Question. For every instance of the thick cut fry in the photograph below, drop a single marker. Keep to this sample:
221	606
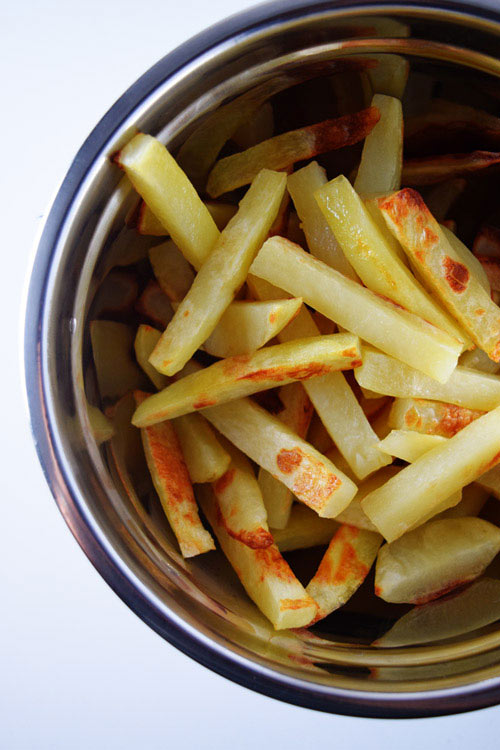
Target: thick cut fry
357	309
221	275
409	445
112	347
272	445
145	341
296	414
490	481
468	259
371	205
171	480
420	488
147	223
354	514
430	417
304	529
247	326
164	187
173	272
318	435
343	569
320	239
431	169
102	428
205	458
333	399
448	122
154	304
390	75
434	559
284	150
469	388
265	575
380	269
240	504
382	157
236	377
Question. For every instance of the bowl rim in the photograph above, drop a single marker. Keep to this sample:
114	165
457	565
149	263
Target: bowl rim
101	554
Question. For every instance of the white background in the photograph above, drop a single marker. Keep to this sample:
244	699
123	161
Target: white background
78	669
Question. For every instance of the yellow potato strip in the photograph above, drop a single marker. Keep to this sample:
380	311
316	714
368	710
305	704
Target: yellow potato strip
382	158
304	529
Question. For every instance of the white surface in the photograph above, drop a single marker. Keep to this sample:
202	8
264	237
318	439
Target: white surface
79	670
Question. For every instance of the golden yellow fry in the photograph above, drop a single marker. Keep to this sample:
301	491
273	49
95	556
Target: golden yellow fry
382	158
357	309
146	339
373	259
429	250
172	271
147	223
389	77
221	275
420	488
431	169
237	377
304	529
471	504
469	388
296	414
318	436
171	480
286	149
112	347
163	185
275	447
320	239
380	422
467	258
343	568
409	445
354	514
371	205
434	559
205	458
102	428
430	417
265	575
479	360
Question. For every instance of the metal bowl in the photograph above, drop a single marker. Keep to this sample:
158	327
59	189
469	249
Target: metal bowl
198	606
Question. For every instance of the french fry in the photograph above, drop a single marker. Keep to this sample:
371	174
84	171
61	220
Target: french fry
272	445
304	529
318	435
431	169
162	184
116	295
357	309
221	275
284	150
441	198
333	399
468	388
343	568
371	205
237	377
468	259
373	259
434	559
265	575
116	371
430	417
471	504
145	341
380	422
102	428
320	239
154	304
390	75
258	128
247	326
172	271
420	487
240	505
490	481
409	445
171	480
382	157
354	514
296	414
147	223
205	458
335	456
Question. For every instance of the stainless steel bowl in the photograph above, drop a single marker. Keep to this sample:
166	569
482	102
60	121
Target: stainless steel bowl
198	606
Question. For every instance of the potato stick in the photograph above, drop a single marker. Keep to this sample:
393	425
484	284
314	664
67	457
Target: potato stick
487	242
296	414
145	341
248	326
265	575
147	223
162	184
409	445
390	75
354	514
469	388
304	529
380	422
490	481
318	436
430	417
382	158
320	239
154	304
371	205
116	371
373	404
205	458
172	271
447	122
335	456
286	149
333	399
471	504
275	447
431	169
258	128
221	275
441	198
343	568
237	377
357	309
468	259
102	428
171	480
373	259
422	486
434	559
240	505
